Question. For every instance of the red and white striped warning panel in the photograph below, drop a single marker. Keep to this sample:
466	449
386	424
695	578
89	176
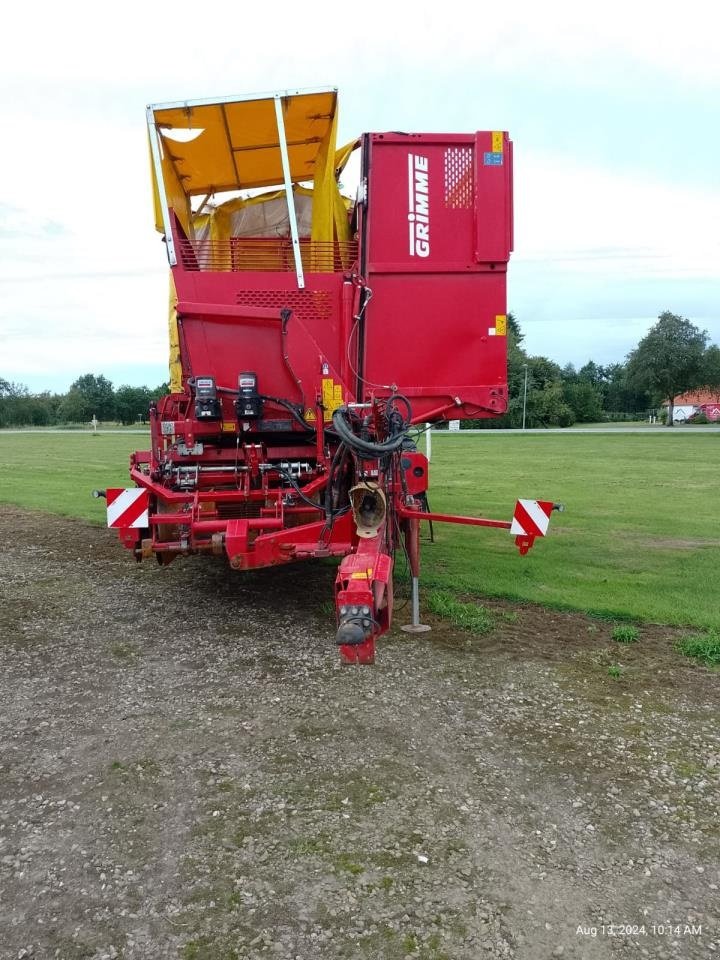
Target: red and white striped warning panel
128	508
531	518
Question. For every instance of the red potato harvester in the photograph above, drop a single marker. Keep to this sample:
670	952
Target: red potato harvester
308	333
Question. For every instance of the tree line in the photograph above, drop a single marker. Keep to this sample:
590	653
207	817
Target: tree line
674	356
89	396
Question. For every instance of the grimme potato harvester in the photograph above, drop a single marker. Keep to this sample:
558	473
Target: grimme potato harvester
308	334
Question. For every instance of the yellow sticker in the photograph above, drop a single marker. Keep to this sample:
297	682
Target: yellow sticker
362	574
310	415
332	397
498	141
501	325
328	393
229	427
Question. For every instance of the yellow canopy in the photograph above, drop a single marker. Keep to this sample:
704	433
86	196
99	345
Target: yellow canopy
234	145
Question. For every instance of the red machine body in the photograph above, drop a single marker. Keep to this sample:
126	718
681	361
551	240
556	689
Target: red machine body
304	354
434	246
435	329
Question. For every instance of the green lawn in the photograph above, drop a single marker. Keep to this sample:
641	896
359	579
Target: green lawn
57	472
640	537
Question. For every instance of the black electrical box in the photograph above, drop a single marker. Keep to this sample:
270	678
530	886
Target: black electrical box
248	405
207	405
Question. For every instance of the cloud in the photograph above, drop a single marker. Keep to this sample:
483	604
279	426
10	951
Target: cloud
235	41
616	199
17	223
595	220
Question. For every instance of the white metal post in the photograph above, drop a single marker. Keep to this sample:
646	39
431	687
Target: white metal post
415	626
289	191
428	441
155	150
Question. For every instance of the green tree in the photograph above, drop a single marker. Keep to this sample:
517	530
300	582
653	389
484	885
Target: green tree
583	391
132	403
585	400
37	409
592	373
711	373
544	371
514	331
75	407
8	389
549	408
619	395
13	400
669	360
90	396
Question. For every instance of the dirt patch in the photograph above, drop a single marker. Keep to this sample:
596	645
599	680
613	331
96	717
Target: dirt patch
186	771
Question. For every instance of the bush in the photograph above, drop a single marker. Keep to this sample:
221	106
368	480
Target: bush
615	417
625	634
703	647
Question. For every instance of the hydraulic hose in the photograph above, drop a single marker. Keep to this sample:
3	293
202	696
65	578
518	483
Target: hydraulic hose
365	448
291	409
296	487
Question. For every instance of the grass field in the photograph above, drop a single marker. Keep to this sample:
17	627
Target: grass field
58	471
640	537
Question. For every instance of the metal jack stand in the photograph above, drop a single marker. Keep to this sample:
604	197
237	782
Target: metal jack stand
416	626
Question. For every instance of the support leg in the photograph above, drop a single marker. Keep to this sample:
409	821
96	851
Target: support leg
416	626
412	541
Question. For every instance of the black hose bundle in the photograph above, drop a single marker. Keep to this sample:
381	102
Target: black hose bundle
397	425
331	512
336	467
288	478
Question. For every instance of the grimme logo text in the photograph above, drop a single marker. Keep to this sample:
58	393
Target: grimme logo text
418	206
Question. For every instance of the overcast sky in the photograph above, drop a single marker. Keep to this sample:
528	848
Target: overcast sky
614	110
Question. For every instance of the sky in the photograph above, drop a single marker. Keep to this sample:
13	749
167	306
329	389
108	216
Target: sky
614	111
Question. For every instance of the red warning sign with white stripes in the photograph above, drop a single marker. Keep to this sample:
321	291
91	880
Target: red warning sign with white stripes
531	518
128	508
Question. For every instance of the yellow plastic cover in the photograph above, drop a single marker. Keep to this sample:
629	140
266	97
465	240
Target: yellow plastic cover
175	363
236	146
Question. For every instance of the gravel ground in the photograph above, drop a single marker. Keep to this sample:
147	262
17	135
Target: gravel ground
186	771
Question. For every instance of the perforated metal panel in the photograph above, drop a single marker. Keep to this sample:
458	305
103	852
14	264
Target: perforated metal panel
459	178
307	305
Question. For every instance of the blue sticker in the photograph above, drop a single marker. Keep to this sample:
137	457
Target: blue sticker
492	159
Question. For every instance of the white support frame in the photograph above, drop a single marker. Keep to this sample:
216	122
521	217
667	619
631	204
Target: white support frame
289	196
219	101
155	149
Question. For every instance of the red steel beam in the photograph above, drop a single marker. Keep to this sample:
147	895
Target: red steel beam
450	518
